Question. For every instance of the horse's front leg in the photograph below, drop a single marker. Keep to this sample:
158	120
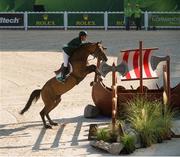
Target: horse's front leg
92	68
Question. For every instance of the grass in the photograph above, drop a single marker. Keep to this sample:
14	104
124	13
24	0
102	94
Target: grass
165	123
103	134
129	143
107	135
147	119
150	119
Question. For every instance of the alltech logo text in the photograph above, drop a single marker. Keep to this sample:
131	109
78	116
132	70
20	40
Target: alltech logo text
11	19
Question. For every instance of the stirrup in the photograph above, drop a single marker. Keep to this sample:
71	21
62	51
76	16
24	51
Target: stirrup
60	79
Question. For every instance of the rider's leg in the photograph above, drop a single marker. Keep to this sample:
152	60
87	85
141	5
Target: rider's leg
65	67
66	62
66	59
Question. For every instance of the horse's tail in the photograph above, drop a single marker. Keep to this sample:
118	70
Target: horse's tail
33	97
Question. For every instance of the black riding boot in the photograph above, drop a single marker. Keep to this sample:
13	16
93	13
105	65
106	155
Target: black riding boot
64	73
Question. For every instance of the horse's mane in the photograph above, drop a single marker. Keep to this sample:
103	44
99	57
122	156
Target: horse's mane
86	45
83	46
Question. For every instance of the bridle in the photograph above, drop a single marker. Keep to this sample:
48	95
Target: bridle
91	58
94	54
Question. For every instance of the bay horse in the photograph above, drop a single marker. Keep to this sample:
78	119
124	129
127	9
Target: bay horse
52	90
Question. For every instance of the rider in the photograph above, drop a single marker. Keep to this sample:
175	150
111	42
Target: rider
68	52
128	14
137	16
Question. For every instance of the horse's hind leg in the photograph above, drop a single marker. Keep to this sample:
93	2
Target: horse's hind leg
45	112
42	114
49	106
56	102
50	121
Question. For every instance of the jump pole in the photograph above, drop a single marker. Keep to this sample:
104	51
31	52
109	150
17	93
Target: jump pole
114	97
168	81
141	64
166	84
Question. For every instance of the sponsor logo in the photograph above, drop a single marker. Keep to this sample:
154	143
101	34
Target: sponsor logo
119	23
45	21
85	17
85	21
9	20
166	19
45	17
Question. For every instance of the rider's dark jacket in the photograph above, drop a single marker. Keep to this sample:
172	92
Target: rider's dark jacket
72	45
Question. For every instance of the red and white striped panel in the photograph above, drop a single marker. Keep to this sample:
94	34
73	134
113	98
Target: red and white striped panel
132	59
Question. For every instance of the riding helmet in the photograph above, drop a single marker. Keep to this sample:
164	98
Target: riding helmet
83	33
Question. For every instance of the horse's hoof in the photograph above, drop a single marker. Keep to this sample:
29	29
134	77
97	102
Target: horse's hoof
63	124
53	123
48	126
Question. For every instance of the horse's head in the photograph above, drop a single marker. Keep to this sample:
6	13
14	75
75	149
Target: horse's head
95	49
99	52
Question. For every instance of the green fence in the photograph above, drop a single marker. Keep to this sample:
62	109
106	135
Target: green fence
105	20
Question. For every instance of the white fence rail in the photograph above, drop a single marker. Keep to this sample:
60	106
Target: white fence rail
93	20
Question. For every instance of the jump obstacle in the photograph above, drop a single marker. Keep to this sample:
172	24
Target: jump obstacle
142	66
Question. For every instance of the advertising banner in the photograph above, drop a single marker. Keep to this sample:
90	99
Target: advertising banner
7	19
45	19
158	19
115	19
86	19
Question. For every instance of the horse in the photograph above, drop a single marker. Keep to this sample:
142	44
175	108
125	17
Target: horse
52	90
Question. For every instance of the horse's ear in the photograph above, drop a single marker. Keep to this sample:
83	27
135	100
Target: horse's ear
99	42
104	48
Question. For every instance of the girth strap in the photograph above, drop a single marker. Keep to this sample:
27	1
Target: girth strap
78	79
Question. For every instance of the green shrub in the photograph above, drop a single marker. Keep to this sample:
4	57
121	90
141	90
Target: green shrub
109	135
103	134
158	132
163	124
129	143
150	119
143	116
166	123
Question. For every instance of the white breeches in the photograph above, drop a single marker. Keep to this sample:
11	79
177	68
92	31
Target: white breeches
66	58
